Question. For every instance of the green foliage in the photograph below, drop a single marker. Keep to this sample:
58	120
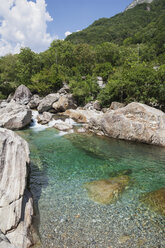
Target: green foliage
116	29
46	81
28	63
127	51
103	70
136	82
84	90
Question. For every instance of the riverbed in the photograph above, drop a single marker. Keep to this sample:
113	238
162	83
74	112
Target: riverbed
62	163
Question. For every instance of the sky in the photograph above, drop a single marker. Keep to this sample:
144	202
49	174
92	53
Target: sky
36	23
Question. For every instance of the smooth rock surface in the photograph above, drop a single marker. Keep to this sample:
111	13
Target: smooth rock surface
64	103
107	190
22	94
15	116
47	102
16	205
136	122
81	115
4	242
63	126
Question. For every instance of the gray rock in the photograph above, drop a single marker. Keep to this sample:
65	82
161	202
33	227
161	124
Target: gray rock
16	205
15	116
44	118
22	94
116	105
136	122
63	126
34	102
4	242
136	2
64	90
93	105
81	115
64	103
10	97
100	82
3	104
47	102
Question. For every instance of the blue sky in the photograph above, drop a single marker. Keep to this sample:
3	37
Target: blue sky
36	23
73	15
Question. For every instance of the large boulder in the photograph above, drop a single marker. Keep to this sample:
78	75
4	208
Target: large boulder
16	205
34	102
64	103
136	122
81	115
22	94
47	102
106	191
15	116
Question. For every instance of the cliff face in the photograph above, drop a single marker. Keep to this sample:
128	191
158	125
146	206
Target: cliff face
136	2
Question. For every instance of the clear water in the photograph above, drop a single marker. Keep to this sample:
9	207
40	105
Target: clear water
68	218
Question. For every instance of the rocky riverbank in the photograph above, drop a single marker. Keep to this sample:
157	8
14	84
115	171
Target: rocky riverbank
16	204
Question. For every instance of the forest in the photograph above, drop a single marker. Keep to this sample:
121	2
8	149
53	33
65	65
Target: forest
127	51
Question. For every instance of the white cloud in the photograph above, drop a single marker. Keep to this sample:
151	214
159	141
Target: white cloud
67	33
23	23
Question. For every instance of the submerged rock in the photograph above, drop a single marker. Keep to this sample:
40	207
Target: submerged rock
15	116
107	190
136	122
156	200
16	205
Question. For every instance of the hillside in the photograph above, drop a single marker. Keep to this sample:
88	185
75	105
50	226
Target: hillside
136	2
142	20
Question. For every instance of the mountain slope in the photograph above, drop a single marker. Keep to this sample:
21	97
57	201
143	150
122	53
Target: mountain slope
136	2
124	25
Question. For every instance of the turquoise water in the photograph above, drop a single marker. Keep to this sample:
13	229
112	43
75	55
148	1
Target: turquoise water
68	218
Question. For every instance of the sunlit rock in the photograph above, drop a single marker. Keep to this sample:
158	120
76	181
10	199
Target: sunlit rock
15	116
136	122
16	205
64	103
22	94
47	102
